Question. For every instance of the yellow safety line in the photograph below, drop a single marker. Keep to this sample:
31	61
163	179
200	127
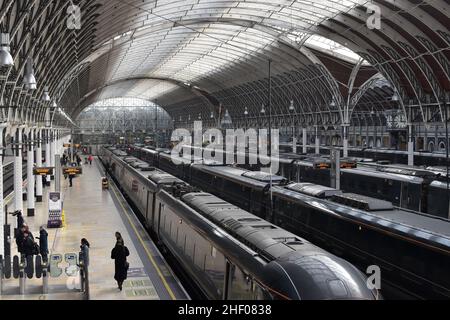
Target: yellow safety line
63	218
166	285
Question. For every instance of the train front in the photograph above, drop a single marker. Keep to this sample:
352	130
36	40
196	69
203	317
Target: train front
316	276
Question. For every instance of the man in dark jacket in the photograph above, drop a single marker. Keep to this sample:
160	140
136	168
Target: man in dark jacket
43	243
28	245
20	237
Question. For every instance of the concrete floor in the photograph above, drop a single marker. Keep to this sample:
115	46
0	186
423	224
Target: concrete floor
90	213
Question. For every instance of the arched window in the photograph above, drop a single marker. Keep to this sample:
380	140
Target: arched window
431	146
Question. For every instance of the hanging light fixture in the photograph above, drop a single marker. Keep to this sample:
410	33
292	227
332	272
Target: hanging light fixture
291	106
226	121
29	79
333	104
395	97
199	116
212	115
263	109
246	112
45	95
5	56
54	105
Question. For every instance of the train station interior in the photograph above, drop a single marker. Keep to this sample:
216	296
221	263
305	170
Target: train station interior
214	150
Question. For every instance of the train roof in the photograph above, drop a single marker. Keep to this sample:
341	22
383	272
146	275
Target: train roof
402	169
371	172
161	177
439	185
365	203
314	190
265	238
398	221
250	178
264	177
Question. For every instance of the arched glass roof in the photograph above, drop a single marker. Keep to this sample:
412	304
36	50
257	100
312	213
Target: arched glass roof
122	102
205	53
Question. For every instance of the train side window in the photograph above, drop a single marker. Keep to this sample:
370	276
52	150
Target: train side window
259	293
241	285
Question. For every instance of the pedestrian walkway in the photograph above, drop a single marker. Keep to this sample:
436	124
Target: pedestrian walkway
96	214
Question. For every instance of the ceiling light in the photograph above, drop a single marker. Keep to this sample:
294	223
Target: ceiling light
291	107
45	95
5	56
263	110
395	97
29	79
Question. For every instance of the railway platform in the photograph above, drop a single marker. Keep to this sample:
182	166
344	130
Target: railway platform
94	213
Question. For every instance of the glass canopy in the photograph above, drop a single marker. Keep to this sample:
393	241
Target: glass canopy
188	40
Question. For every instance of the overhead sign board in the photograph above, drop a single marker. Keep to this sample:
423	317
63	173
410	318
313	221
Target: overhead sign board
68	145
73	170
43	171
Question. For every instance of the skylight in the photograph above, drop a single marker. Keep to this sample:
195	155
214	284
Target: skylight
332	48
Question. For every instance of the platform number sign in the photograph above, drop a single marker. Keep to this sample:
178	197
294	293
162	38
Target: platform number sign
73	21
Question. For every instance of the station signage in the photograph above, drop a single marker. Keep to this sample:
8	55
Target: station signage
69	145
73	170
43	171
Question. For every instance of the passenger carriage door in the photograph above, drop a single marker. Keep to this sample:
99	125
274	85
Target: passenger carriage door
147	208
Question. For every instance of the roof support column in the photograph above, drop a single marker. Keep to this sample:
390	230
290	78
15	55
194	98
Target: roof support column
305	140
317	140
2	212
48	162
30	175
52	152
39	191
345	140
18	174
410	145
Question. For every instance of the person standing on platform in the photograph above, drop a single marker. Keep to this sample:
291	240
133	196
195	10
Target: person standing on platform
90	159
20	221
70	180
20	237
85	251
43	243
28	245
120	254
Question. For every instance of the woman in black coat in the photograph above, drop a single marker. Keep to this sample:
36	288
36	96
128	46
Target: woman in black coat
120	254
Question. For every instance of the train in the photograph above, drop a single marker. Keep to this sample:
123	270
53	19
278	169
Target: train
421	158
227	252
8	178
412	249
419	189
